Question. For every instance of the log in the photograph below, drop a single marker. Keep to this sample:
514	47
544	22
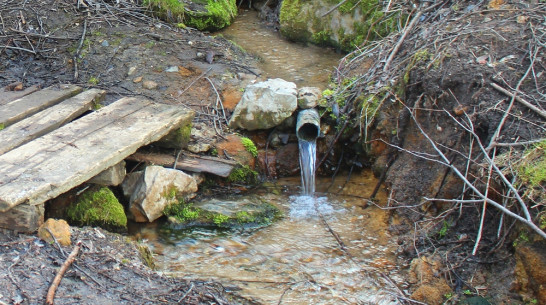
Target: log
14	111
57	162
196	164
49	119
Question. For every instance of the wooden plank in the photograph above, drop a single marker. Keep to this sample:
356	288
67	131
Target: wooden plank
49	119
55	163
23	218
14	111
8	96
196	164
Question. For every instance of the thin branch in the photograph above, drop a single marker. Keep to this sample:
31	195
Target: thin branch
57	280
539	111
401	40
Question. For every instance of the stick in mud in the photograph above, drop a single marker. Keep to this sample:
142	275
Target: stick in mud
57	280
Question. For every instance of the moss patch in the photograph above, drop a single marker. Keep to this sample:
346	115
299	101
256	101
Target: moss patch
98	207
243	174
222	214
249	146
204	15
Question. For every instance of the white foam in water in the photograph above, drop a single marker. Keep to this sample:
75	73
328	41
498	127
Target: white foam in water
304	206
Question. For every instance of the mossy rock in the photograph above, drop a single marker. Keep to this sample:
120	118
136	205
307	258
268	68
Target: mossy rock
98	207
204	15
348	26
247	213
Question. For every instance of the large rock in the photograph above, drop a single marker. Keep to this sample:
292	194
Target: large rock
151	190
265	105
54	229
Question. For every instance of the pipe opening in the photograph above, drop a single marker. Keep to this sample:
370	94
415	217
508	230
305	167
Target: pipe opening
308	132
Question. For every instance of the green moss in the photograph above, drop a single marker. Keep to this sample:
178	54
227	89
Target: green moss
294	20
98	207
147	256
243	217
532	170
182	211
93	80
219	219
243	174
218	15
249	146
170	10
2	126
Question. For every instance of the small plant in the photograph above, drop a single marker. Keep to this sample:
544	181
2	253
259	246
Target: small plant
219	219
443	231
182	211
93	80
249	146
2	126
467	292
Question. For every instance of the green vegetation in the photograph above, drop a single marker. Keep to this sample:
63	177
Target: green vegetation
216	14
256	214
93	81
2	126
98	207
249	146
243	174
147	256
532	170
182	211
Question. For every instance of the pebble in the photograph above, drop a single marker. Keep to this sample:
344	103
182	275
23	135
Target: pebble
137	79
149	84
172	69
131	71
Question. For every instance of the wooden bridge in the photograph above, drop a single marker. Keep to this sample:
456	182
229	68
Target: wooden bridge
48	146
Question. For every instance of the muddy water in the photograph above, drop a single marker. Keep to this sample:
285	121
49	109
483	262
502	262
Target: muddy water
296	260
279	58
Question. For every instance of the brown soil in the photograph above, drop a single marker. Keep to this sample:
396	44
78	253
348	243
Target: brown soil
116	46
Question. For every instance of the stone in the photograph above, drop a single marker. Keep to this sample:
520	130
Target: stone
287	160
137	79
112	176
202	137
172	69
154	189
308	97
233	148
269	167
231	97
131	71
149	84
265	105
60	230
531	269
426	274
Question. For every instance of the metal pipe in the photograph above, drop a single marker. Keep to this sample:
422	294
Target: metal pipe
308	125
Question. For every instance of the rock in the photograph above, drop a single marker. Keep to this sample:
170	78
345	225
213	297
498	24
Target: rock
137	79
269	167
178	138
202	137
249	212
112	176
265	105
151	190
426	274
287	160
531	269
172	69
98	206
149	84
231	97
233	148
131	71
60	230
308	97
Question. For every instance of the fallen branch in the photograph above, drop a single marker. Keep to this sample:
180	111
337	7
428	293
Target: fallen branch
401	40
540	112
57	280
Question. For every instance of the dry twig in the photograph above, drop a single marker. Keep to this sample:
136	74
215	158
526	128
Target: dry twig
57	280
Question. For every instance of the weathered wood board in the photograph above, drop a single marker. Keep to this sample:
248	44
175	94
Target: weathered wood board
14	111
196	164
49	119
60	160
8	96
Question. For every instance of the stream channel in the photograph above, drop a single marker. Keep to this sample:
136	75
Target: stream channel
296	260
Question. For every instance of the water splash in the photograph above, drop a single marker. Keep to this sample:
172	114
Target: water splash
308	157
305	207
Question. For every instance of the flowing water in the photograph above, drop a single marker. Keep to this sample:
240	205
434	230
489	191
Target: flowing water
297	260
308	157
331	246
279	58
